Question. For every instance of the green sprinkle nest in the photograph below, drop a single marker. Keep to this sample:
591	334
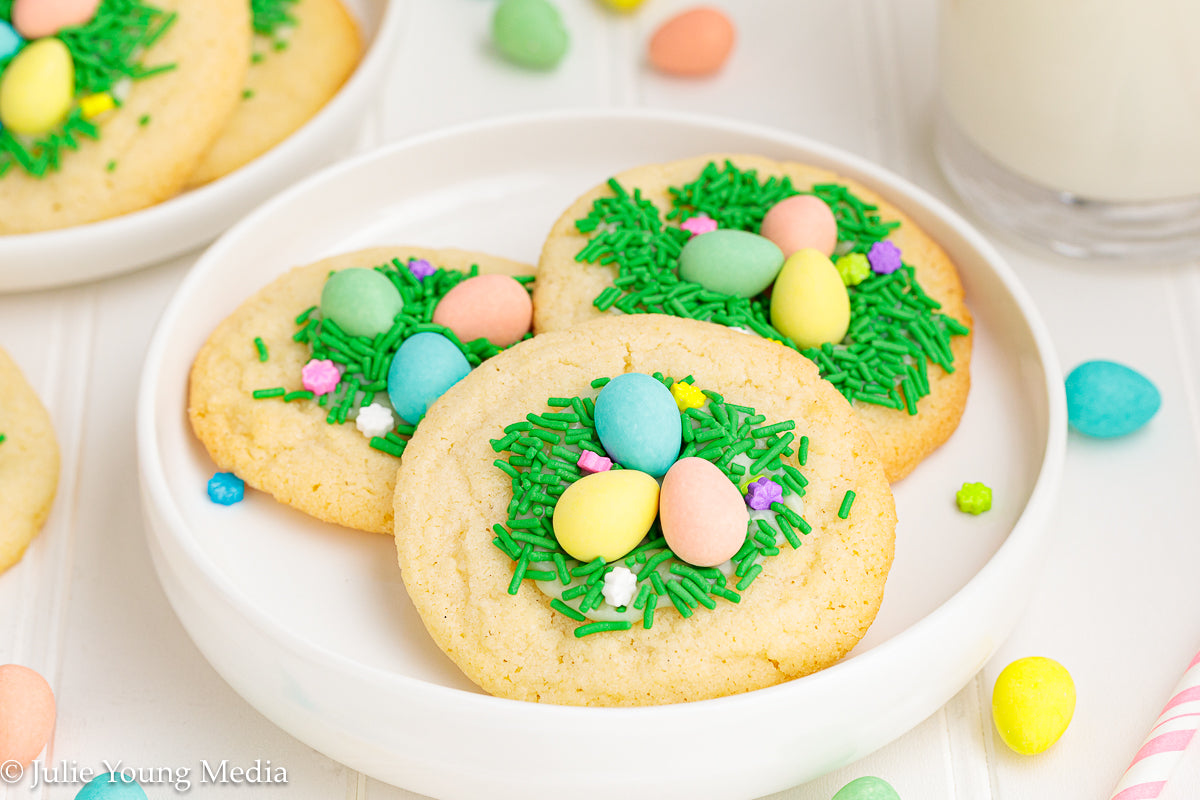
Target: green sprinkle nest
895	330
366	359
106	51
269	16
542	452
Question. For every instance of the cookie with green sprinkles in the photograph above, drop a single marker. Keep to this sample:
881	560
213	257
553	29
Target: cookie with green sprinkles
519	480
154	83
303	51
901	356
28	463
297	407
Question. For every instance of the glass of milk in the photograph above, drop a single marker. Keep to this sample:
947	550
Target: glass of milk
1076	122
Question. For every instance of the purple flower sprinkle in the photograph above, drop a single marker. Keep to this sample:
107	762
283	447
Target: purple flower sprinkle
763	492
591	462
421	269
701	223
884	257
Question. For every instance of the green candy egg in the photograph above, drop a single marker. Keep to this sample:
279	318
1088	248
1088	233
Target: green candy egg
867	788
529	33
729	261
361	301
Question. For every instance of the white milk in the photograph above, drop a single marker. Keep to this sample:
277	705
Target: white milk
1099	98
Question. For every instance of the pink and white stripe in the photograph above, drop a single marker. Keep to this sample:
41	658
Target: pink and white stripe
1151	767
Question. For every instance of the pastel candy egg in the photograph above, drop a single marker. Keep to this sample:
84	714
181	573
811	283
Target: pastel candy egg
605	514
623	5
703	515
363	302
730	261
496	307
692	44
10	42
111	786
867	787
38	18
37	88
801	221
529	33
809	303
1106	399
424	367
638	423
1032	703
26	713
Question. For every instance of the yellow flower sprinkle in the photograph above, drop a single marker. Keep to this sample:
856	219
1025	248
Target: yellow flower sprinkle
687	396
93	105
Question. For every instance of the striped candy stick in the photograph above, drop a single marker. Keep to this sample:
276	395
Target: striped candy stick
1151	767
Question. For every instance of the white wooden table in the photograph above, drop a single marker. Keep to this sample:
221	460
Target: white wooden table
1117	603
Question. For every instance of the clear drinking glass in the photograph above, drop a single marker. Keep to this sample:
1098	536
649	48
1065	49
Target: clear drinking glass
1076	122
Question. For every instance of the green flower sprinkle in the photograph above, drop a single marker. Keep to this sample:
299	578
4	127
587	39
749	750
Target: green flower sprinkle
895	332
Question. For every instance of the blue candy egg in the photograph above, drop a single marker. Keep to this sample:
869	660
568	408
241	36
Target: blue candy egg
424	367
111	786
638	423
1106	399
10	40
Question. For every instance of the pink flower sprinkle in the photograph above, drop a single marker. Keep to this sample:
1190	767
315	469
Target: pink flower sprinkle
697	225
590	462
319	376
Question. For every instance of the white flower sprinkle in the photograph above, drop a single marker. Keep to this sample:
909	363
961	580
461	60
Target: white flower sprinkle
374	420
619	586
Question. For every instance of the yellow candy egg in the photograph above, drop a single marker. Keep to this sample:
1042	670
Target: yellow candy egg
809	303
605	514
37	88
622	5
1032	704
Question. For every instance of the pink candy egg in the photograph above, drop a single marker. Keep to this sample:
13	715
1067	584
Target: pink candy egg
34	19
799	222
703	515
496	307
692	44
26	713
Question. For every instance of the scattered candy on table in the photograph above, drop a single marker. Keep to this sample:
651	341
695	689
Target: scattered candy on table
360	301
801	221
809	303
638	423
695	43
702	514
374	420
530	33
37	18
495	307
320	376
423	369
867	787
606	514
111	786
730	261
1106	399
26	714
225	488
1032	704
974	498
37	88
884	257
619	586
854	268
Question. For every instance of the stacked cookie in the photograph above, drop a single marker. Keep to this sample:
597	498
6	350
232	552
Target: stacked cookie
682	477
112	106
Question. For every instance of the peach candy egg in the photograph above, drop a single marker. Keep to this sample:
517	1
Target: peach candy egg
703	515
34	19
496	307
692	44
801	221
26	713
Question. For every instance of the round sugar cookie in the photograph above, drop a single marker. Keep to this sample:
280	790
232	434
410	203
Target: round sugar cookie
805	609
151	144
287	449
28	463
566	290
286	87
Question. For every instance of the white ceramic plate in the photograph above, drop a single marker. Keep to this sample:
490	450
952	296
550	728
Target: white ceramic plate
125	243
311	624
